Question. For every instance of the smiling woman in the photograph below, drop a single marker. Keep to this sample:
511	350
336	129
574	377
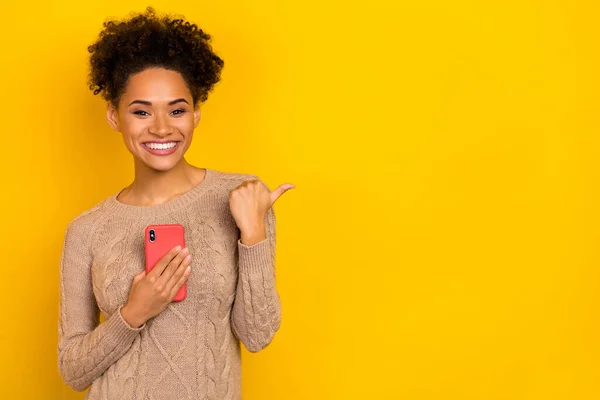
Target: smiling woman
153	72
157	147
156	116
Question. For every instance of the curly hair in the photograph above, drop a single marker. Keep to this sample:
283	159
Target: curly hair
145	40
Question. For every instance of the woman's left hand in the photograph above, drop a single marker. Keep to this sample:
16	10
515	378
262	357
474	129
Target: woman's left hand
249	203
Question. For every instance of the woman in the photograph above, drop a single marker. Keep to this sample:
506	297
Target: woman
153	72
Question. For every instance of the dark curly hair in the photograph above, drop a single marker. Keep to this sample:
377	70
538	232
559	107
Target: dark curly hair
146	40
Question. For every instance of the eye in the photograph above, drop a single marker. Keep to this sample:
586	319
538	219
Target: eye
139	111
178	113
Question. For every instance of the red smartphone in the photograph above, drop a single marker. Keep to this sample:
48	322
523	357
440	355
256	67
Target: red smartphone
159	239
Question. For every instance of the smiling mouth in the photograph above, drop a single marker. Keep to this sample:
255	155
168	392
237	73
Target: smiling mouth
160	146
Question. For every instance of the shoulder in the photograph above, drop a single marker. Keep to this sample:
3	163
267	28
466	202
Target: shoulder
231	180
85	221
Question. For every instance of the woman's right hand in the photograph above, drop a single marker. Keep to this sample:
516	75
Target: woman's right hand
151	293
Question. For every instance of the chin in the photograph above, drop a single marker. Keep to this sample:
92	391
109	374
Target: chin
162	166
162	163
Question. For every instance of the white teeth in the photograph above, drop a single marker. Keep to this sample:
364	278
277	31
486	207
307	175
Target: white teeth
160	146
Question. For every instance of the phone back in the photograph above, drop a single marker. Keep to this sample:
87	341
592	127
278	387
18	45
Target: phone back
159	239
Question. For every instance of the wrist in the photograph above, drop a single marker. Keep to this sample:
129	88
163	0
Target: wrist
129	317
250	236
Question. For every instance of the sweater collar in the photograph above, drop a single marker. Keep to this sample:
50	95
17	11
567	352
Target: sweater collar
116	207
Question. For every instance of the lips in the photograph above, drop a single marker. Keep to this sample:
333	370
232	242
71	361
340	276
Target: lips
161	148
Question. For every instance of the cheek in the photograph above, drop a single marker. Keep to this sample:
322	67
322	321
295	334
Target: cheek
131	137
130	144
132	128
185	124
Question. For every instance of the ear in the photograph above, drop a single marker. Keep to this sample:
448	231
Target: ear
112	116
196	115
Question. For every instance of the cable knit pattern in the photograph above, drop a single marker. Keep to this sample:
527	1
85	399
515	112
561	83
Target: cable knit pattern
192	349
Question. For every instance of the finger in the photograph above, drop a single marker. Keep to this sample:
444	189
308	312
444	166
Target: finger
177	274
281	190
137	278
163	262
173	265
180	282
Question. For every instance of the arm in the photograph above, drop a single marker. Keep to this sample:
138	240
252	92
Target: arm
256	313
85	349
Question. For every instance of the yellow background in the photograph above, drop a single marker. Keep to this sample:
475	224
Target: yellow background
442	240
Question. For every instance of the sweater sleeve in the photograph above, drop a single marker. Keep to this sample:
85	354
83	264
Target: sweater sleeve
256	310
85	348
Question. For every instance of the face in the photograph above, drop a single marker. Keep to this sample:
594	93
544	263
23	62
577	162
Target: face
156	117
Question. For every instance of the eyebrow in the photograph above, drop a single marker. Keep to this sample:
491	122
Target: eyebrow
149	103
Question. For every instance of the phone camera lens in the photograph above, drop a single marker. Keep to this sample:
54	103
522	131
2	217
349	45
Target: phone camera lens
152	235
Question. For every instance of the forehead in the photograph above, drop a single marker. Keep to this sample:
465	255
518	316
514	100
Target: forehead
156	84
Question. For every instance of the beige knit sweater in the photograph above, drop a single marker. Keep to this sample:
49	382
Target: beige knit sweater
191	350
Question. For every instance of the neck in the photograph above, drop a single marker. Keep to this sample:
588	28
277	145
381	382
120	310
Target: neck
152	187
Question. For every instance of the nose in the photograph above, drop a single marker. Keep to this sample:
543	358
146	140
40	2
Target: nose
161	126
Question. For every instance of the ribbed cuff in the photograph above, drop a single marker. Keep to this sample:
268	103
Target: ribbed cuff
119	328
255	258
